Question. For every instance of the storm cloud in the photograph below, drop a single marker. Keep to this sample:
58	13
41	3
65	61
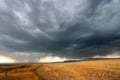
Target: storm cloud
63	28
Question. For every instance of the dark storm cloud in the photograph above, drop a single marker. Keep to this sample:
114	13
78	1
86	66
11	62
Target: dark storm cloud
66	28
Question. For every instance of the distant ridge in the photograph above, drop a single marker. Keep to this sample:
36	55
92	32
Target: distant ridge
71	60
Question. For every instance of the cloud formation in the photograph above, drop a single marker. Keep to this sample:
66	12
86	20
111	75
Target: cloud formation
6	60
52	59
64	28
114	55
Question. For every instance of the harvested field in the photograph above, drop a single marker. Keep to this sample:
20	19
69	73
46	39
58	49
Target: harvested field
90	69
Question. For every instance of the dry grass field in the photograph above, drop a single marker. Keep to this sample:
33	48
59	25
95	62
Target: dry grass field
89	69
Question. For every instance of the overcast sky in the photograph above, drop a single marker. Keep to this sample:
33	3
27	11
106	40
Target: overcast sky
33	29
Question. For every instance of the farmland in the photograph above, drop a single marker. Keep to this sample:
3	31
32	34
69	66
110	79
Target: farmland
89	69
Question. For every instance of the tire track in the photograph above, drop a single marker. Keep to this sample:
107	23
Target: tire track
36	73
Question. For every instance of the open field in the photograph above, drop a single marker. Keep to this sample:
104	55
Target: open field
89	69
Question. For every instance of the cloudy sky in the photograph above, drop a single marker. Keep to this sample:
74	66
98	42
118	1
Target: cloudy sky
63	29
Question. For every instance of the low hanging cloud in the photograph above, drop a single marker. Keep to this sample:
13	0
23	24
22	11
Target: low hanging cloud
52	59
62	28
4	59
113	55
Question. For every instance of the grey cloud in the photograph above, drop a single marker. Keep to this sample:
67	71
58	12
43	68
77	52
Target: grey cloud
66	28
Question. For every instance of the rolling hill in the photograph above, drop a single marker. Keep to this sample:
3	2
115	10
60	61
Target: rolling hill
89	69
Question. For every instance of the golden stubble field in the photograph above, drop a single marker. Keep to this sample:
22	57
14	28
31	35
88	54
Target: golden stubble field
90	69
